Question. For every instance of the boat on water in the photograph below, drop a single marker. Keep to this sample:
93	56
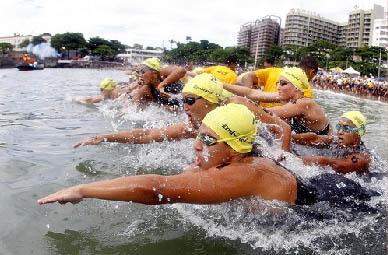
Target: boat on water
29	67
28	63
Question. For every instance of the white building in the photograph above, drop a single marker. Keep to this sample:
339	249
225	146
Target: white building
260	35
360	26
303	28
17	39
380	33
136	56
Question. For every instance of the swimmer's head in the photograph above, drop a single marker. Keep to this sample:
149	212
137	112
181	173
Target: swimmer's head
234	124
297	78
208	87
309	66
358	119
350	128
153	63
108	84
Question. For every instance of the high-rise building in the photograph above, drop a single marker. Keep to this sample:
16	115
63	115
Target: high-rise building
260	35
380	33
304	28
360	26
342	32
244	36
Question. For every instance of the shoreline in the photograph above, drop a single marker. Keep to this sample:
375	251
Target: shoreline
370	97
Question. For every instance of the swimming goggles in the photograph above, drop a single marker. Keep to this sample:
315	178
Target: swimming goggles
346	128
208	140
190	100
282	82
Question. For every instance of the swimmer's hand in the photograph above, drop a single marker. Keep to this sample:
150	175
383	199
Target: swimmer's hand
90	141
72	195
163	93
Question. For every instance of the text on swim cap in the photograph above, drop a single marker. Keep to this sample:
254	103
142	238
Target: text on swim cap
234	133
205	90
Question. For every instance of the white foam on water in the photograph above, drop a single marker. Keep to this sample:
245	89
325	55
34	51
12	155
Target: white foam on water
265	225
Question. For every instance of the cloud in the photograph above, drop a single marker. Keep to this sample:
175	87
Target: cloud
153	22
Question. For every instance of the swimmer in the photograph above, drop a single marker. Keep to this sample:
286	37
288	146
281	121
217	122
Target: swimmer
301	112
228	171
157	84
108	89
267	79
225	73
348	152
201	94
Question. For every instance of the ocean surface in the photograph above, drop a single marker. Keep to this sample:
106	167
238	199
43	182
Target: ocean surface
40	121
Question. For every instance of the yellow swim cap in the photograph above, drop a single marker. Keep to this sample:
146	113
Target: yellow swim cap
358	119
208	87
235	124
198	70
223	73
108	84
153	63
299	79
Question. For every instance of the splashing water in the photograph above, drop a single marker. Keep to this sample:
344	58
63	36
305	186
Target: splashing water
263	225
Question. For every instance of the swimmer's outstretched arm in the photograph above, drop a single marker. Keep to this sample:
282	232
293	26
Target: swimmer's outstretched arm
358	162
143	136
197	187
281	129
253	94
91	99
172	74
312	139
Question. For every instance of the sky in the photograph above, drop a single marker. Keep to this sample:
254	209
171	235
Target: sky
154	23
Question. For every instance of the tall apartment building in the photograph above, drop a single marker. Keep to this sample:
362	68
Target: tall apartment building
360	26
342	32
17	39
380	33
260	35
303	28
244	36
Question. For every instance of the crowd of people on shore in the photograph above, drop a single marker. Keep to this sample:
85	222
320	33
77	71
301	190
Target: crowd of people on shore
361	86
225	115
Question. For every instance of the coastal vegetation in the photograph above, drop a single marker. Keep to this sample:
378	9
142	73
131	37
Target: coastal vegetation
95	46
204	52
5	47
365	59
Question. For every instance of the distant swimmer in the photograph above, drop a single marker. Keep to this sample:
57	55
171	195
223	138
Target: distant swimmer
224	169
300	111
108	89
269	62
267	79
201	94
225	73
346	151
158	85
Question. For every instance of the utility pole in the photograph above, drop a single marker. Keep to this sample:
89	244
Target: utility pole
378	72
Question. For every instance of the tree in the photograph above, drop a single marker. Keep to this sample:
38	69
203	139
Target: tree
5	47
137	46
74	41
274	52
69	41
24	44
57	41
117	47
202	52
104	51
37	40
94	42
